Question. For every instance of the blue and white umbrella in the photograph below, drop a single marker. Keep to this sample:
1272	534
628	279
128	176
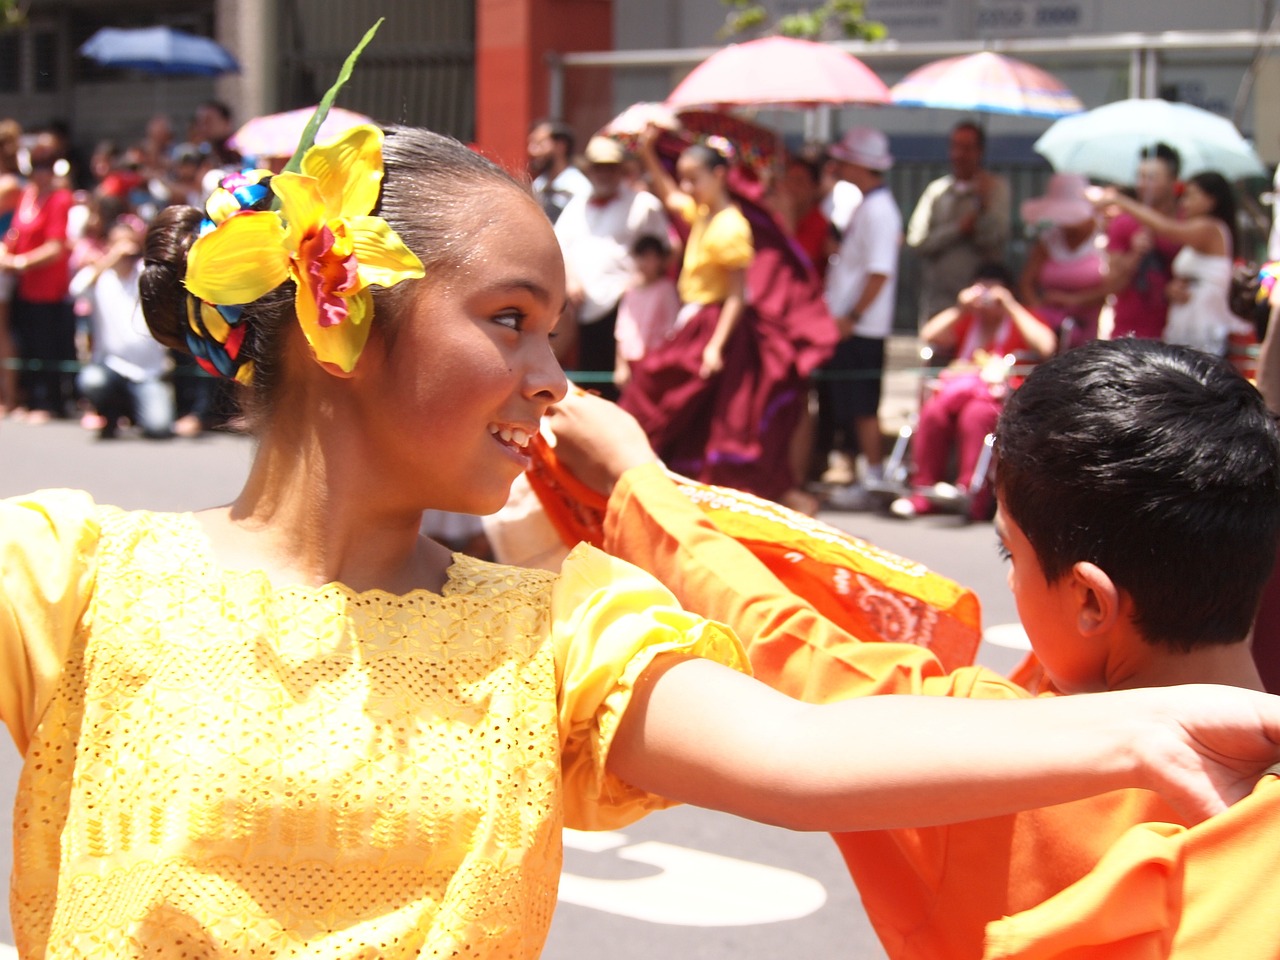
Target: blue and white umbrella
159	50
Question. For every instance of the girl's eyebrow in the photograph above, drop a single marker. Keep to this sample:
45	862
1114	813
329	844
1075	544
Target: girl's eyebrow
525	285
532	287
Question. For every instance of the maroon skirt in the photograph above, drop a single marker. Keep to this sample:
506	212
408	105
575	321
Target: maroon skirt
733	429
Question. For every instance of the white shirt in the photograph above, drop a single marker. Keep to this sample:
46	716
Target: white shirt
870	245
121	340
839	205
596	241
555	194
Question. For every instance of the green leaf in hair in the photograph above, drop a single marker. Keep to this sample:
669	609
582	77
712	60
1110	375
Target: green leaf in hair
322	110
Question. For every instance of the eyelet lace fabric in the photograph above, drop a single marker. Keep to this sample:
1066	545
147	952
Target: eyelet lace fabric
215	767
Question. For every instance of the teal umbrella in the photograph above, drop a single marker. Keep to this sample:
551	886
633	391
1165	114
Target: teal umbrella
1105	142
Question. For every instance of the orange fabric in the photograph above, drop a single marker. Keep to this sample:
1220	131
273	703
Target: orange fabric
867	592
929	892
1165	891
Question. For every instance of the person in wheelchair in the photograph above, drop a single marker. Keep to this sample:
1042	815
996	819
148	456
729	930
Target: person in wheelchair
991	335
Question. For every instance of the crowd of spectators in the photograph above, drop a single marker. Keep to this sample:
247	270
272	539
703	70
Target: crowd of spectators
1098	263
72	339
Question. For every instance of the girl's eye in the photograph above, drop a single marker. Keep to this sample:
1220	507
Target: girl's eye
1002	551
512	319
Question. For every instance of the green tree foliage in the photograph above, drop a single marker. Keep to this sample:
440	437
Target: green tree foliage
12	14
833	20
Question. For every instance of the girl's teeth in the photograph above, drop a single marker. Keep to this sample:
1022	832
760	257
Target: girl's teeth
519	437
505	434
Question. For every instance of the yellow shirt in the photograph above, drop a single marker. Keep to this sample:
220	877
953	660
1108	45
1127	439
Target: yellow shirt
215	767
716	247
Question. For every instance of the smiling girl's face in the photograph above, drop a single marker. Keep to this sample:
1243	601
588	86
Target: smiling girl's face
458	388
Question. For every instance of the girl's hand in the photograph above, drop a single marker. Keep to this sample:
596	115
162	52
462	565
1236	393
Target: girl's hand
597	440
712	361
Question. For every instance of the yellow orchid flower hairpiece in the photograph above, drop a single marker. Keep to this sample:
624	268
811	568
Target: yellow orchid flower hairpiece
323	237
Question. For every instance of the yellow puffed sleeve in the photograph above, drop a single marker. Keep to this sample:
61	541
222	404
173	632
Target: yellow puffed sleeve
48	543
609	621
727	240
685	207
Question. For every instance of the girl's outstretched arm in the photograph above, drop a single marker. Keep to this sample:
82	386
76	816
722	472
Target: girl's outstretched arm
698	732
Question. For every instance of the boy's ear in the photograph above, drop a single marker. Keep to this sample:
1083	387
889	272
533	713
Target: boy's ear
1099	602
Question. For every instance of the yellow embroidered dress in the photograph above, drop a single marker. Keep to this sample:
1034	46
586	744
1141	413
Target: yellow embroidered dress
215	767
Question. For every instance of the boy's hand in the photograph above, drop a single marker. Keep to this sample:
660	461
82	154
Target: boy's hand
597	440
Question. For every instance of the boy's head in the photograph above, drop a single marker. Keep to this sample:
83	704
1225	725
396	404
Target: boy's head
1158	466
650	255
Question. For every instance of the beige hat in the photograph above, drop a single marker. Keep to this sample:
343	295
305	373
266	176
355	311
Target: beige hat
865	147
604	150
1065	202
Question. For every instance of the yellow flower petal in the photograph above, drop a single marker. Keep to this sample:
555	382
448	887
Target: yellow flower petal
340	344
221	205
348	170
381	255
240	261
301	206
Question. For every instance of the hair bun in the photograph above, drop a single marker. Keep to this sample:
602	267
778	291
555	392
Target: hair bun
161	288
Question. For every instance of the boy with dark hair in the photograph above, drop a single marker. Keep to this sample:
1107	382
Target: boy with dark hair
1148	480
1158	468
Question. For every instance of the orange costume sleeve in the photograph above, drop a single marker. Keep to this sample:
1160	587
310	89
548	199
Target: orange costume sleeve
929	893
1165	892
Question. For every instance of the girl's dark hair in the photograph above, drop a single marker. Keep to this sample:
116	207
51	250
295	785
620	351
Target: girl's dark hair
649	243
1216	188
429	197
708	156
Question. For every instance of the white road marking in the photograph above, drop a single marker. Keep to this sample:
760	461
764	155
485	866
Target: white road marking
1012	636
694	889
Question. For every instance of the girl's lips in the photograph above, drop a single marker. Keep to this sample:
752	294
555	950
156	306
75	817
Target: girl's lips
514	441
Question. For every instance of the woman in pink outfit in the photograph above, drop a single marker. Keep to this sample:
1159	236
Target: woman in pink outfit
988	330
1065	275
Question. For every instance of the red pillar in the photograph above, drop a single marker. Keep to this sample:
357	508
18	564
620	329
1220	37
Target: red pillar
513	38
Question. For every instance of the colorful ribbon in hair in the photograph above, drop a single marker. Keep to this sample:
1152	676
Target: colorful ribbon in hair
216	333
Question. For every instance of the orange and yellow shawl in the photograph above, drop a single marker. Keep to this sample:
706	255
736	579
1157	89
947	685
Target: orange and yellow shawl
869	592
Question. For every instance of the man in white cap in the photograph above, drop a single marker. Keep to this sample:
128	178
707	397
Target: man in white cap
596	234
862	282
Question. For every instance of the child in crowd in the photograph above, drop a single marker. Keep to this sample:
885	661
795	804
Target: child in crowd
125	375
1109	456
647	311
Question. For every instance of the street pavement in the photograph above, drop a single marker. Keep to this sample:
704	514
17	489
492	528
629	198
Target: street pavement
682	883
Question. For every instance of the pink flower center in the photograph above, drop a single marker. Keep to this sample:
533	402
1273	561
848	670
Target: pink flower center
328	275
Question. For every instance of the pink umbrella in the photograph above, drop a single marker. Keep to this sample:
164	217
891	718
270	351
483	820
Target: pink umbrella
277	135
779	71
986	82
